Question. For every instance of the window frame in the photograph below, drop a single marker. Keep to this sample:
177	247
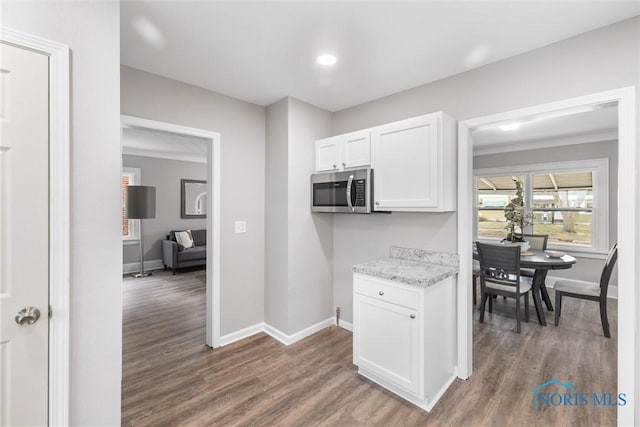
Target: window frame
600	190
134	226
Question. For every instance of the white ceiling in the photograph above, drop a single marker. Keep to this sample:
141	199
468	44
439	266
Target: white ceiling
263	51
164	145
539	132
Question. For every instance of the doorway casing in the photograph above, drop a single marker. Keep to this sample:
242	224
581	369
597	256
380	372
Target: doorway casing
628	185
213	214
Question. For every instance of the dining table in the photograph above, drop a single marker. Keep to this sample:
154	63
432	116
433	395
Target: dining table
541	262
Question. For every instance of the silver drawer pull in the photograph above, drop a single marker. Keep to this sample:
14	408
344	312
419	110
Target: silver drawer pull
413	316
381	293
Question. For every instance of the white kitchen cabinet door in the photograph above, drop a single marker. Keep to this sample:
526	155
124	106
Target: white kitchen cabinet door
415	164
328	154
356	149
388	341
406	164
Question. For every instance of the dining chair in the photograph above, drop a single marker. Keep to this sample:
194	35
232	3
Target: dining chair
474	282
589	290
500	275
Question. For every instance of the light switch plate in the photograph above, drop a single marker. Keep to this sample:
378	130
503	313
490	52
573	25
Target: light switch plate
241	227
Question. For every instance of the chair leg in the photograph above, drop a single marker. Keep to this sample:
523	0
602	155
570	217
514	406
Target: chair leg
174	271
556	315
491	303
474	289
603	317
518	314
526	307
482	305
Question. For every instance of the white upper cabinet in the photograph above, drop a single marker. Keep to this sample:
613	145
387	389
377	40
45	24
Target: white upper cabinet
414	164
345	151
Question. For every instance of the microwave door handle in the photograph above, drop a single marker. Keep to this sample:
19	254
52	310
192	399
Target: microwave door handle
349	182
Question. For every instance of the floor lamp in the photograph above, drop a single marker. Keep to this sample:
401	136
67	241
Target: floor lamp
141	204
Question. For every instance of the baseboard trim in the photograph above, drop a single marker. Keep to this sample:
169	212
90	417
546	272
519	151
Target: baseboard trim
550	282
346	325
134	267
242	334
290	339
275	333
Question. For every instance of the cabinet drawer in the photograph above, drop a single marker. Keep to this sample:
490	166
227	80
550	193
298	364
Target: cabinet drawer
378	289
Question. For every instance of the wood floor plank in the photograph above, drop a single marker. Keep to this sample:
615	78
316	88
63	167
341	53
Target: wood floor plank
171	378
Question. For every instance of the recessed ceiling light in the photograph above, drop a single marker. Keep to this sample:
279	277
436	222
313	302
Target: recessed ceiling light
326	59
511	126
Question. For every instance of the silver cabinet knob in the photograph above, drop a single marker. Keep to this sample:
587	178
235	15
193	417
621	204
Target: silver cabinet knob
27	316
344	165
413	316
335	166
377	203
381	293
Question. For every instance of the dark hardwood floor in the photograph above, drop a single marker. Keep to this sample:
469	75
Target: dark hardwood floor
171	378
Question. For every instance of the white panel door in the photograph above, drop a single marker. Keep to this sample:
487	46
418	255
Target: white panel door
356	149
328	154
24	232
406	164
387	341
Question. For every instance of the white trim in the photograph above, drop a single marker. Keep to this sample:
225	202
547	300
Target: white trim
600	181
346	325
535	144
628	241
134	267
59	205
213	219
241	334
185	157
290	339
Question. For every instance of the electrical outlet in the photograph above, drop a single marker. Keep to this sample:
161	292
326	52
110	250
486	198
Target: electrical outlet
241	227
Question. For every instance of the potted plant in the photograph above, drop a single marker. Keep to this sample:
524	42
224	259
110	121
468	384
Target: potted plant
516	217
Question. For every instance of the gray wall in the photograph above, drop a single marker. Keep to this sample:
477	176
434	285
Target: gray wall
165	175
604	59
276	295
241	126
299	244
310	235
587	268
92	32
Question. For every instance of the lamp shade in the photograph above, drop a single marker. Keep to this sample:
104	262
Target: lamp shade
141	202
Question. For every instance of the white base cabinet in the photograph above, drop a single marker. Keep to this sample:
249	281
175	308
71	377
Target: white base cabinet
404	337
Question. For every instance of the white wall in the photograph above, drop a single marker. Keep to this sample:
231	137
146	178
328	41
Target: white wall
299	244
241	126
604	59
165	175
92	32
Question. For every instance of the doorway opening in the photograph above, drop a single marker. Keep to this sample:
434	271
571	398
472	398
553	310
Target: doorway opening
211	153
598	239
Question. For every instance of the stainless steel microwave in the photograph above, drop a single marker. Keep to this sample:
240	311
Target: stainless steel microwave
342	192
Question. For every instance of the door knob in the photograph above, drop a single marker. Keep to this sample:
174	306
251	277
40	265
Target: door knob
27	316
413	316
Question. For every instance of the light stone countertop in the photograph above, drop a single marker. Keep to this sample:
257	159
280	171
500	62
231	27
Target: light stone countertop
415	267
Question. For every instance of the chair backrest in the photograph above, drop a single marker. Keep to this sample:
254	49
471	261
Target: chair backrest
537	241
612	257
499	264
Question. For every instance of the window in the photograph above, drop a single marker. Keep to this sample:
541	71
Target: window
129	228
568	201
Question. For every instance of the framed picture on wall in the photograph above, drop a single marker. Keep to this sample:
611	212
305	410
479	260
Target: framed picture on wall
193	198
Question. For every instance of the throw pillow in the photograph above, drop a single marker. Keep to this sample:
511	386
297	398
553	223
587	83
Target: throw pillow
184	238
